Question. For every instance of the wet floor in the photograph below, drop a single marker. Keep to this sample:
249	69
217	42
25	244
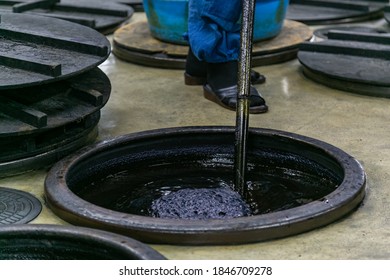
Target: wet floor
146	98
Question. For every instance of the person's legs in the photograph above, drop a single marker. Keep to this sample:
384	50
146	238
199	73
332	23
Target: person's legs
195	73
213	35
213	29
214	39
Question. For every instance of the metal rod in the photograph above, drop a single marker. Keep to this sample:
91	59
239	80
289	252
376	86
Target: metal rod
243	102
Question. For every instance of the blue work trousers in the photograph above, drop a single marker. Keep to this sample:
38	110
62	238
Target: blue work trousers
214	29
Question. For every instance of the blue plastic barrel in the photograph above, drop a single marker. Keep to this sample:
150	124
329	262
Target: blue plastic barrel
167	19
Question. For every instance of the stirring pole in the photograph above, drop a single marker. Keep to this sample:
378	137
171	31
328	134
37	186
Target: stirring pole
243	102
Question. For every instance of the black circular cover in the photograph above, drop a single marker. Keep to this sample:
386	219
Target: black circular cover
37	50
17	207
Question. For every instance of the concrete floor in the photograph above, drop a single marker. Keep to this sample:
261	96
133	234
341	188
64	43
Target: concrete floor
146	98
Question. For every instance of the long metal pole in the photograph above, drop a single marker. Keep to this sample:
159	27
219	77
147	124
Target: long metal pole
243	102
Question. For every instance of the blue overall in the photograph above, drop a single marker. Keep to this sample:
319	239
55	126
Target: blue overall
213	29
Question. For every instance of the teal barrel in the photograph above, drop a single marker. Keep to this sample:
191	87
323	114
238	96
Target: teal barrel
167	19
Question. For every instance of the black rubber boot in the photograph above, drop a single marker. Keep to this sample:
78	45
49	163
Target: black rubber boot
196	72
221	87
